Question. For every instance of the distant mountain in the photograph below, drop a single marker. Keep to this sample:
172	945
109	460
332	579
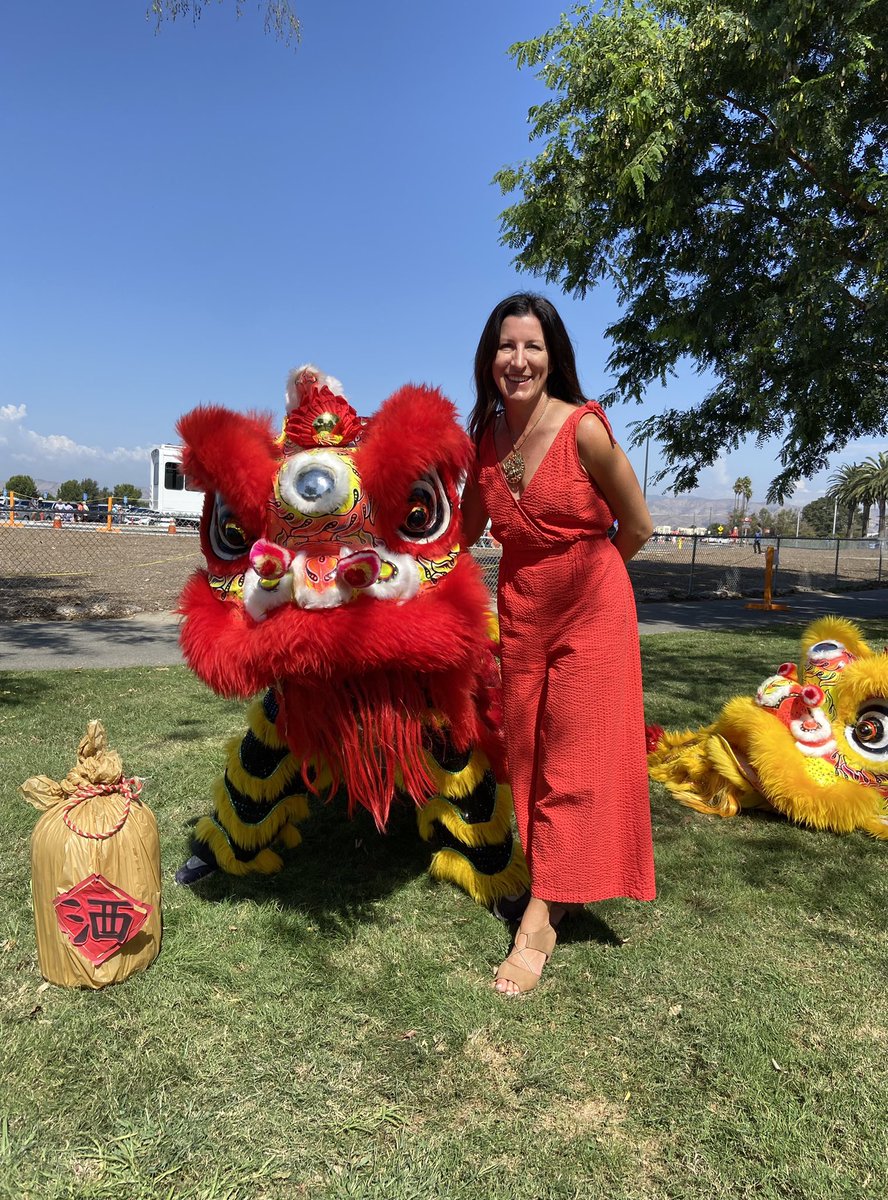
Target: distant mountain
689	510
674	511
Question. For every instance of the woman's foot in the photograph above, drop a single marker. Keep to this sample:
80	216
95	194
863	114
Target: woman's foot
532	948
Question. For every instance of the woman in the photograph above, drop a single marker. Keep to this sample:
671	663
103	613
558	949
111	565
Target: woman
551	479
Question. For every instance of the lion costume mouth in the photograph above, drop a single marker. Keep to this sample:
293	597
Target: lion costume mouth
330	578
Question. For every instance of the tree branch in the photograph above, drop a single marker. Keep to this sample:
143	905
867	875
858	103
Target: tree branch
865	206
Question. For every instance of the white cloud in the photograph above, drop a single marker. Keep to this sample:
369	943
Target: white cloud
718	472
57	456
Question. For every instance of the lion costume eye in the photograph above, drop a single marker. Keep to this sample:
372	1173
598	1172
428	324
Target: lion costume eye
869	733
826	650
227	538
428	511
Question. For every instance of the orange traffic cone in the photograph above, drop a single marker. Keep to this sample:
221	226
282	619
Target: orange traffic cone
57	522
171	528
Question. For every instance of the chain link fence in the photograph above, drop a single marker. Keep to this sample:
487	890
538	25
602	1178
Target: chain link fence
676	567
52	570
55	570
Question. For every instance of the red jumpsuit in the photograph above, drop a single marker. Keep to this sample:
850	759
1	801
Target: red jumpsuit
574	716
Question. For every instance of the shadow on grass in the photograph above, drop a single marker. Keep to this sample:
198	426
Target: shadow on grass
20	689
588	926
193	729
709	864
342	869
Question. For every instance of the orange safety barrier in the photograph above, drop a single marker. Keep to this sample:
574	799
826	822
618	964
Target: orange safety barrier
108	522
768	605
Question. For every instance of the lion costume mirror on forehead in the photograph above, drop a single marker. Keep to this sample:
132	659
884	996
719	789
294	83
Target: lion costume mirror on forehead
335	585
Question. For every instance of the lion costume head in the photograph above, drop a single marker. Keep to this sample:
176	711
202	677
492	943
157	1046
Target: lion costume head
811	744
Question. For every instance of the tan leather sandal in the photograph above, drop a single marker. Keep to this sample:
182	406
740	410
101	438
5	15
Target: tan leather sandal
516	968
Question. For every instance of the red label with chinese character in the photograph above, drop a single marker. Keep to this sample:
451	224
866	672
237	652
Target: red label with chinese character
99	918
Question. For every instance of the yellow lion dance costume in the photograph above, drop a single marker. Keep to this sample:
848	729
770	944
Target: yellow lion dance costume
814	749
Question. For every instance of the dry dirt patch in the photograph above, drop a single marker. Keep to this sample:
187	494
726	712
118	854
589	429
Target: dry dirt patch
81	571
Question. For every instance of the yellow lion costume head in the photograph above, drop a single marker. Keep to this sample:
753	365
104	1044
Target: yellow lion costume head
812	747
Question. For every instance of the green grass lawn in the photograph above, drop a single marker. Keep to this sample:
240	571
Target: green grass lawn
331	1032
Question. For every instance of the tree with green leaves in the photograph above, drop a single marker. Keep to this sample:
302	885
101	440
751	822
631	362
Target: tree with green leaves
130	491
788	522
724	165
22	485
280	19
819	516
91	489
69	490
74	489
866	495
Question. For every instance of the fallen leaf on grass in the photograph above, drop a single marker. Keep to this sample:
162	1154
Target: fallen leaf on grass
776	1065
405	1037
675	1010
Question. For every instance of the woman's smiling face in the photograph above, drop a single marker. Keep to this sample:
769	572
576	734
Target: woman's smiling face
521	366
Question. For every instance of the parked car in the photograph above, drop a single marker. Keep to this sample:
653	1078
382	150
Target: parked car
133	515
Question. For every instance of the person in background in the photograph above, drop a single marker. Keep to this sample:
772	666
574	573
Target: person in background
552	480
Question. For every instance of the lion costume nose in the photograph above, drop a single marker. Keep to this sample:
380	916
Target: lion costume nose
359	570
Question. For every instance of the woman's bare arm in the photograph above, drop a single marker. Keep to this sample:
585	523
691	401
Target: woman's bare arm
474	514
610	468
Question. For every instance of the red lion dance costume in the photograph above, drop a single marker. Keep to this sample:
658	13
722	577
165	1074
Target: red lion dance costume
335	586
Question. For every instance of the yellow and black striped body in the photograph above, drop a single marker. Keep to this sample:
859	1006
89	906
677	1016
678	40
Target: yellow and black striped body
264	793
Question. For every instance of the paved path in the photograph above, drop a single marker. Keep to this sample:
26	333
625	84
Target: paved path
801	607
151	640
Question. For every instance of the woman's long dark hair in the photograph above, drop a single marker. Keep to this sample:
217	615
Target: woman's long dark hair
563	382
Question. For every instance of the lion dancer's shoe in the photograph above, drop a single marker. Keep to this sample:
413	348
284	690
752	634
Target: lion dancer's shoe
258	803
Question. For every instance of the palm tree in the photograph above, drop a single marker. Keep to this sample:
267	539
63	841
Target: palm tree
843	486
875	469
865	494
745	489
742	489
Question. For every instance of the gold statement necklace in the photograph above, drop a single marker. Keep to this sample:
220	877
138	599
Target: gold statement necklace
513	463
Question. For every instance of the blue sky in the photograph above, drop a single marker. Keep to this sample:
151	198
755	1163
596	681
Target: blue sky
188	214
